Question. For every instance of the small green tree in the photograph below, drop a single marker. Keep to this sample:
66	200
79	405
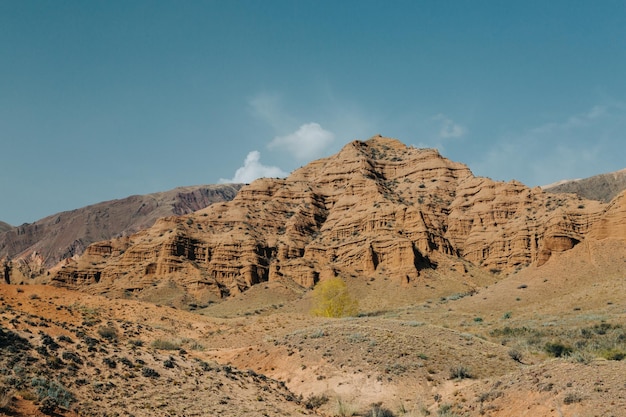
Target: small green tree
332	299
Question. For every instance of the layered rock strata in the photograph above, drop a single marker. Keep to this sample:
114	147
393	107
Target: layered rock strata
376	207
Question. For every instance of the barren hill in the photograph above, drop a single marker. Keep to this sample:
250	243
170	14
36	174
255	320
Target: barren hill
4	227
67	354
603	187
63	235
376	209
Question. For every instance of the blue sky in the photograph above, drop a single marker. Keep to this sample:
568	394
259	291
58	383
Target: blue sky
104	99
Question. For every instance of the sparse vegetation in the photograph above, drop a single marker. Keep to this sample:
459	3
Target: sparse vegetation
460	372
6	398
108	332
378	410
315	401
572	397
165	344
344	409
557	349
516	355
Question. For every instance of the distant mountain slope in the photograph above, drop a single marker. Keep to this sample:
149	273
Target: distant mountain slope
4	227
603	187
66	234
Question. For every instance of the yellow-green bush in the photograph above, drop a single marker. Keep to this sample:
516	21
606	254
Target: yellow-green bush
332	299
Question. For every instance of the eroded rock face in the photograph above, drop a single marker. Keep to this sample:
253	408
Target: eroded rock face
376	207
65	235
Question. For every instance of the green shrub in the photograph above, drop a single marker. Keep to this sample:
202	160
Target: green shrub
46	388
614	354
165	344
557	349
149	373
572	398
460	372
108	332
6	398
315	401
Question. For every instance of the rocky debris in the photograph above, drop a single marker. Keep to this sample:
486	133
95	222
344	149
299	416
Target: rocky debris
377	207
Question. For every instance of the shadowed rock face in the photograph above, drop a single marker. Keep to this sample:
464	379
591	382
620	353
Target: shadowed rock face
67	234
376	207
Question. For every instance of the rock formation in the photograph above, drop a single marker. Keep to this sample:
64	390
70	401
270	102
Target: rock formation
377	207
67	234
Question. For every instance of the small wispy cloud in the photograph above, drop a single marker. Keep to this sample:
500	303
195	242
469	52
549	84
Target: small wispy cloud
308	142
576	146
267	107
252	169
435	131
449	129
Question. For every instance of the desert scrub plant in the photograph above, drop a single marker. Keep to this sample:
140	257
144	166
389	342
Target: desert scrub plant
344	409
46	388
108	332
445	410
614	354
318	333
149	373
572	397
332	299
557	349
516	355
6	398
315	401
460	372
165	344
378	411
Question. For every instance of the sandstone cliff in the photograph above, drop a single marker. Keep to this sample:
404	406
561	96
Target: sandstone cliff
376	208
64	235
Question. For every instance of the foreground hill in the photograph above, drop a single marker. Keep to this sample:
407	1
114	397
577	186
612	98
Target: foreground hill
488	352
377	209
64	353
64	235
603	187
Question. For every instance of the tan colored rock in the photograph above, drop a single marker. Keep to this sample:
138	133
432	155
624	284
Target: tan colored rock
376	208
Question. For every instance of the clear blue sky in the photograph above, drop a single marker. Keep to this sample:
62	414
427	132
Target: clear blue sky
104	99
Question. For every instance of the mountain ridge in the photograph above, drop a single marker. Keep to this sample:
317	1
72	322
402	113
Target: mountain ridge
377	207
602	187
47	241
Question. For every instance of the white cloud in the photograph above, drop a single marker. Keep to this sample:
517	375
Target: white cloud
449	129
308	142
252	169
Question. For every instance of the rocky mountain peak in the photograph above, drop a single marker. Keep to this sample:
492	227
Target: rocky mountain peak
376	208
